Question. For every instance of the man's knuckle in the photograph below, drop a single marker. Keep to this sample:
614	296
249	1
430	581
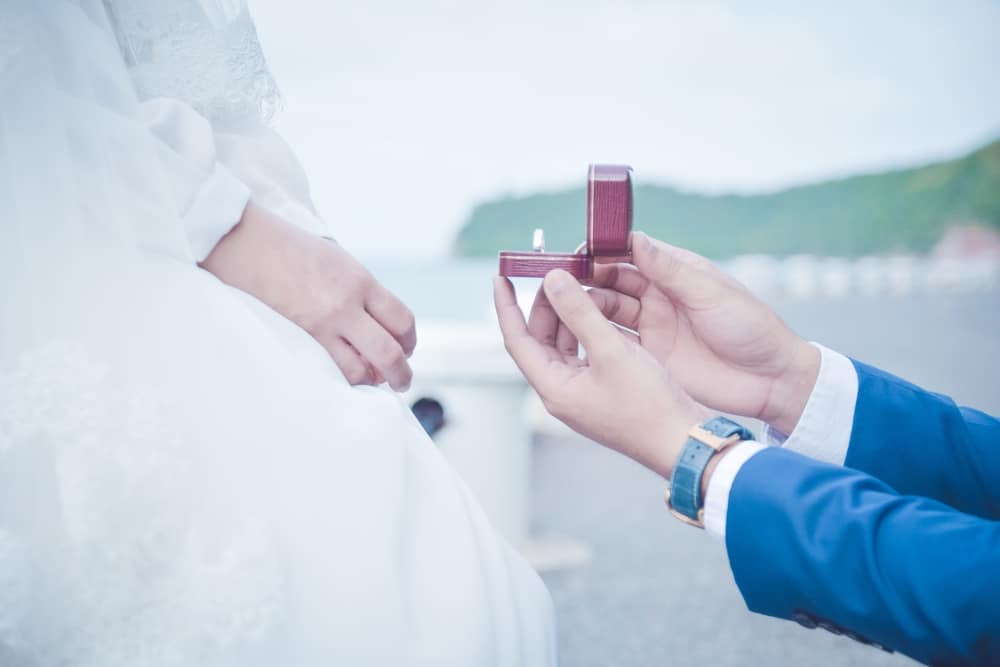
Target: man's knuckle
614	273
614	308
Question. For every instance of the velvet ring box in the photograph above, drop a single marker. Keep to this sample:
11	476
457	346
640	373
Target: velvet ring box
609	224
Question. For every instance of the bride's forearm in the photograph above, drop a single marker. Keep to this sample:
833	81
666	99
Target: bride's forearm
268	258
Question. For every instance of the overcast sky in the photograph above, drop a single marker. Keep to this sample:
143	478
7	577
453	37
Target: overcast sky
405	114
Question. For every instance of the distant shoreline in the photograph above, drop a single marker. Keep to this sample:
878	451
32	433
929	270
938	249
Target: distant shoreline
899	211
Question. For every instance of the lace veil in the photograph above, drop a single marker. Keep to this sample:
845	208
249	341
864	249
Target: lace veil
203	52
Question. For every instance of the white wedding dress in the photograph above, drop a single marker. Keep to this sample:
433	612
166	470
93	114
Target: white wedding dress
185	476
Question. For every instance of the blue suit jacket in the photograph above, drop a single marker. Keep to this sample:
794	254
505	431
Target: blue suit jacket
900	548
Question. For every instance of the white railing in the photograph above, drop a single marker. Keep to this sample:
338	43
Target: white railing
808	276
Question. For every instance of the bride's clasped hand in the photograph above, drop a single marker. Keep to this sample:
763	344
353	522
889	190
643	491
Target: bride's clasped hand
318	285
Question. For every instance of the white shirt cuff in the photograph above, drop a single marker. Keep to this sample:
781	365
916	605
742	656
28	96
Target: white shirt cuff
823	433
824	430
717	497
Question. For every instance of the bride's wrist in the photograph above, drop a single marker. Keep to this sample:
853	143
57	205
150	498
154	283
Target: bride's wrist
265	257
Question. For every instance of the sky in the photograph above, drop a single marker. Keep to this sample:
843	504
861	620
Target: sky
406	114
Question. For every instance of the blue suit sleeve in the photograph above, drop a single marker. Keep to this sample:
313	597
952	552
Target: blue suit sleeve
922	444
833	547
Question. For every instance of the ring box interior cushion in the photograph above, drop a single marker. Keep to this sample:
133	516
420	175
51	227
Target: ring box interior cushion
609	223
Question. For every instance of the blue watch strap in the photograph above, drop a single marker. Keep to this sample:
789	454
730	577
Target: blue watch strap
725	427
685	482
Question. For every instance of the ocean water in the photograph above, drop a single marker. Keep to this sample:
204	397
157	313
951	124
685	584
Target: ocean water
460	289
449	289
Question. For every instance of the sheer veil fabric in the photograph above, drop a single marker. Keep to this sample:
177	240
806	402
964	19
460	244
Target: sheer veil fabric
185	477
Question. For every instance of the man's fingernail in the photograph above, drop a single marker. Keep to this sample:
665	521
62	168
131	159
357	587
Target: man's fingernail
557	280
645	244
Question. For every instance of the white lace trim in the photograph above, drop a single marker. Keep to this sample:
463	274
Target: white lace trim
204	53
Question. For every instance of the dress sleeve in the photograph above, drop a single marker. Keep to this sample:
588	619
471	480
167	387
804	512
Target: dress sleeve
266	164
216	172
198	68
210	198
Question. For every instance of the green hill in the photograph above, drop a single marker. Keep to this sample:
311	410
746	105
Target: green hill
905	209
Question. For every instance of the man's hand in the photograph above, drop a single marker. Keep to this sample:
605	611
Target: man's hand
619	396
725	347
322	288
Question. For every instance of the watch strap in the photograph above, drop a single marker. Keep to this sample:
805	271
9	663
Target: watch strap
685	482
704	441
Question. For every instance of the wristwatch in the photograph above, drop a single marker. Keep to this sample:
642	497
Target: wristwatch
704	441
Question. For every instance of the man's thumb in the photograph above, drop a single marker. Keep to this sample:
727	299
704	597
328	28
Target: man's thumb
578	312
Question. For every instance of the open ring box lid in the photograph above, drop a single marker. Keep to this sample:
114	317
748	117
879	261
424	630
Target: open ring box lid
609	224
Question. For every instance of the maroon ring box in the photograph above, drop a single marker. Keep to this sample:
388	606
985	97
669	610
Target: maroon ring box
609	224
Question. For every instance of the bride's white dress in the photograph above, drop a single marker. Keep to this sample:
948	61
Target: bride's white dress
185	477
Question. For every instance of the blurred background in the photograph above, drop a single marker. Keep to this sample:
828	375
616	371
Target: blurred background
407	115
841	158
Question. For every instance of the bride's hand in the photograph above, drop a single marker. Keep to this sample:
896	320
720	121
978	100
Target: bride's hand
318	285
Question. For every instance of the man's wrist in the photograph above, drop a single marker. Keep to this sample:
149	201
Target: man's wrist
704	450
713	463
791	390
674	435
